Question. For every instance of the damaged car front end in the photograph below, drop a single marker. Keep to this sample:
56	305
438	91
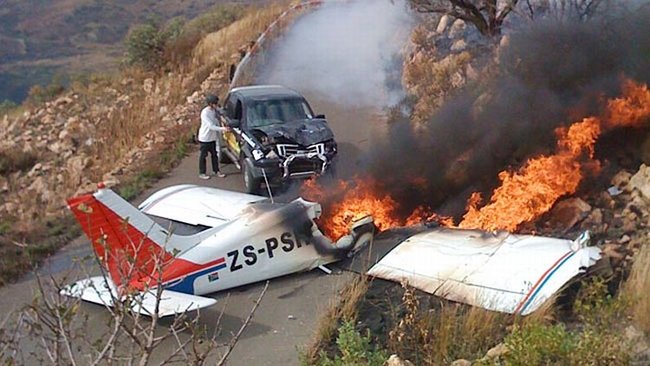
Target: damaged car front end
276	136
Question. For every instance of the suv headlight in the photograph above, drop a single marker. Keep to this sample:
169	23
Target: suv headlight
258	154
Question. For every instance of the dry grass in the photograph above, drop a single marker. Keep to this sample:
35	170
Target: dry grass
637	288
343	308
117	115
449	331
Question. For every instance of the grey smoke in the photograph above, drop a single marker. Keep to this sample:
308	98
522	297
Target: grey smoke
552	73
356	61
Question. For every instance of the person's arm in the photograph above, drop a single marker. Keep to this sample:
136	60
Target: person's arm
212	122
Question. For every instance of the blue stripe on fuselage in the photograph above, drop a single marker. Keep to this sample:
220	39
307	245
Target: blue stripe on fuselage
186	284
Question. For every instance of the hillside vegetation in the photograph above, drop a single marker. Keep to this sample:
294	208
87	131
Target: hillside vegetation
41	39
126	129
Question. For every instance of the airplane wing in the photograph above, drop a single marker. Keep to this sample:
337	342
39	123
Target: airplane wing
196	205
496	271
100	290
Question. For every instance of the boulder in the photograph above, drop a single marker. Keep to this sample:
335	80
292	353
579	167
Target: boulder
443	23
459	45
641	181
567	213
394	360
497	351
621	179
147	85
457	29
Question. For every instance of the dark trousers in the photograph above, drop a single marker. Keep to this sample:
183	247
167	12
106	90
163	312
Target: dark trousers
211	148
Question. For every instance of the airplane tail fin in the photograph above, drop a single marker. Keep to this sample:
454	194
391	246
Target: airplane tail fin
130	245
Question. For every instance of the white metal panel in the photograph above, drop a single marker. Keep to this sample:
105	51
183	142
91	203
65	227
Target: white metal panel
503	272
196	205
101	291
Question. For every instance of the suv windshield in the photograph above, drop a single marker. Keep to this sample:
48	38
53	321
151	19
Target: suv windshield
276	111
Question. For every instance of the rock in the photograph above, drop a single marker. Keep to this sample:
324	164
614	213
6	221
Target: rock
62	101
4	184
595	218
75	167
621	179
613	251
461	362
636	339
624	239
40	188
457	29
567	213
394	360
459	45
497	351
641	181
147	85
443	23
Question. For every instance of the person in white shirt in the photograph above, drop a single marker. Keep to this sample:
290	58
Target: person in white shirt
209	138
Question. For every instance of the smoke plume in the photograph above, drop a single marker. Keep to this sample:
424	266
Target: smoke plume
346	52
550	74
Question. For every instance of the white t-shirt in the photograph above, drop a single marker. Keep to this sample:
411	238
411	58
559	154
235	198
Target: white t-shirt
209	125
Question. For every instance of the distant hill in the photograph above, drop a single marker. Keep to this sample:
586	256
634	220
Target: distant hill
41	38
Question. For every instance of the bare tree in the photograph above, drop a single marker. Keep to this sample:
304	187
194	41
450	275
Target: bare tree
486	15
566	9
56	330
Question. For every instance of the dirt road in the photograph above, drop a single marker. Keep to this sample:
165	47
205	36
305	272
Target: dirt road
288	314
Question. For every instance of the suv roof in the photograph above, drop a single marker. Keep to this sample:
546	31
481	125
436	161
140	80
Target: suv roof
264	91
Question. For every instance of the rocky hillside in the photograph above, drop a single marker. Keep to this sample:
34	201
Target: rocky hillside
123	130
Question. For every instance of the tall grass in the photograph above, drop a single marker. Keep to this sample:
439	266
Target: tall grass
637	288
446	332
343	309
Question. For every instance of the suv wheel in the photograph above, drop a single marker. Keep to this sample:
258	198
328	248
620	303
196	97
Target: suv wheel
251	184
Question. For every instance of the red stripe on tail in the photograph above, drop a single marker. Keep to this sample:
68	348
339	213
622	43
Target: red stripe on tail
129	255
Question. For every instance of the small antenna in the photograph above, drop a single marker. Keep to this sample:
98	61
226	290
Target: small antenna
268	187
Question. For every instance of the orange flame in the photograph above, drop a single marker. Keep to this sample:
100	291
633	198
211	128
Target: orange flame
532	191
523	195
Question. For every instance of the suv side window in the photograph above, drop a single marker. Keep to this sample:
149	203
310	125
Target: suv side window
238	110
230	107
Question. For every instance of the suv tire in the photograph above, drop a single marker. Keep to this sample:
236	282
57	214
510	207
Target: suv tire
251	184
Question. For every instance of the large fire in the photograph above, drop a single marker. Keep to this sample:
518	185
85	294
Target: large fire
523	195
532	191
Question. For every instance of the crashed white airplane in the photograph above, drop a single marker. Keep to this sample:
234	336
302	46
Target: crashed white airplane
195	240
191	241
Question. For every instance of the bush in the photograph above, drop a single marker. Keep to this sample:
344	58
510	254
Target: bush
14	161
145	43
354	349
595	342
180	49
40	94
7	106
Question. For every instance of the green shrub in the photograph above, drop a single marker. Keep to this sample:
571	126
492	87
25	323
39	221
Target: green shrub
353	350
145	43
7	106
180	49
539	344
39	94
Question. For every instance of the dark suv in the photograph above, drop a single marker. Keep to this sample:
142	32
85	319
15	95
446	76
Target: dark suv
275	136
